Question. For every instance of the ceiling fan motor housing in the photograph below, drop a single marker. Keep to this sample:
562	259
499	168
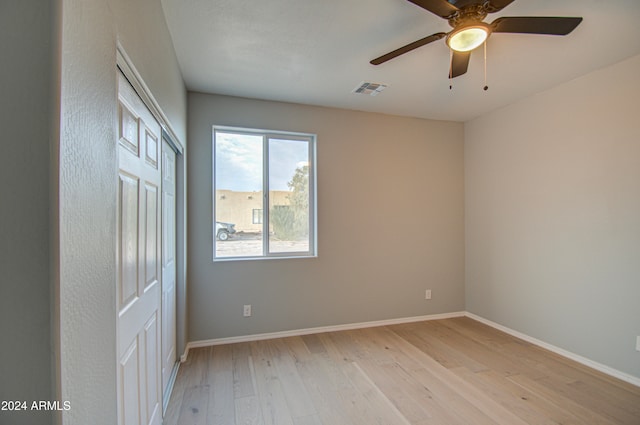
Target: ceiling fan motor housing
468	15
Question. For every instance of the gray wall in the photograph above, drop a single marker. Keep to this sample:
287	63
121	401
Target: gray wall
87	219
26	29
372	265
553	216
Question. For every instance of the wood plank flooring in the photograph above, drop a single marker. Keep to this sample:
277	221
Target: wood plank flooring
450	372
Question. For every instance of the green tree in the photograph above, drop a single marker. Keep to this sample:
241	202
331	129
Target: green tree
291	222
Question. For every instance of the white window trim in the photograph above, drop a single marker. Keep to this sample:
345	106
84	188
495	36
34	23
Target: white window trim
313	222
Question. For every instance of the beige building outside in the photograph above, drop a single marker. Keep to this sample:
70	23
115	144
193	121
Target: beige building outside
244	209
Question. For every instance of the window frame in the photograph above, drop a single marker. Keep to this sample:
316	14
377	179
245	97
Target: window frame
267	135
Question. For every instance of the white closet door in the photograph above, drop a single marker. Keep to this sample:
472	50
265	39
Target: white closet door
168	263
139	269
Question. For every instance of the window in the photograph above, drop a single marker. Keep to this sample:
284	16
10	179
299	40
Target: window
257	216
264	194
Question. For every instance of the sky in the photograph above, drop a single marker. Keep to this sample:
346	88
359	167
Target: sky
238	161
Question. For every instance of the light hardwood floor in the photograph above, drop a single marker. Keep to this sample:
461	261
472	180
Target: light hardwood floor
449	372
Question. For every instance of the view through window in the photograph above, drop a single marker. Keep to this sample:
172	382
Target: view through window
264	194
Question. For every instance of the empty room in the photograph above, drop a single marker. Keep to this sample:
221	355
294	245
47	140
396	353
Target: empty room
335	212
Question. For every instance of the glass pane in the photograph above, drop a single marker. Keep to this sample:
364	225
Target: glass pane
238	192
288	196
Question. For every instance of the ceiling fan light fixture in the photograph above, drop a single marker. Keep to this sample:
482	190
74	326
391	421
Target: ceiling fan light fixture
468	37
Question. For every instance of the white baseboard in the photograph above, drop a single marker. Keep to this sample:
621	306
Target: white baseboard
309	331
564	353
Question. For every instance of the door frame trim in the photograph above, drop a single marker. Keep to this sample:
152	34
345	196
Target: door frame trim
124	62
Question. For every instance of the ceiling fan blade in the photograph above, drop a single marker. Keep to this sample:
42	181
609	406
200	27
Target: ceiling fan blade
442	8
497	5
551	25
409	47
459	63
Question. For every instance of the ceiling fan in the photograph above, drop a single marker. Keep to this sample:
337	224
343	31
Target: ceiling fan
469	31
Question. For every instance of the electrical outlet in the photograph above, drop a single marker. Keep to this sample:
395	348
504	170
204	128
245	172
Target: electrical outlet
247	310
427	294
638	343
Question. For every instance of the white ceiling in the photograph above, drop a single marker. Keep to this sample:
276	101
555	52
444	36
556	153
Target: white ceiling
317	51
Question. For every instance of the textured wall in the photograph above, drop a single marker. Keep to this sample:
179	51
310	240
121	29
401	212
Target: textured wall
87	213
553	216
25	106
371	265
